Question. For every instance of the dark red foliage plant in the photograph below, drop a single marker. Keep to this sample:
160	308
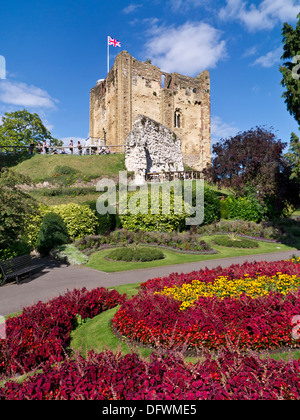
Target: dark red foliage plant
42	332
166	376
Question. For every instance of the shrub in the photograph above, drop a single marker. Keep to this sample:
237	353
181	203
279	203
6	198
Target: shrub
224	210
212	206
106	222
53	232
235	242
148	222
20	247
16	207
79	219
135	254
242	227
64	175
245	208
69	254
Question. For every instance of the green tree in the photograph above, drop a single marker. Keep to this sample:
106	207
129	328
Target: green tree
291	78
15	208
293	157
253	163
19	128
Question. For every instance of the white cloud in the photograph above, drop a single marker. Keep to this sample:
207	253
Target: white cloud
270	59
184	5
221	129
131	8
250	52
263	16
21	94
186	49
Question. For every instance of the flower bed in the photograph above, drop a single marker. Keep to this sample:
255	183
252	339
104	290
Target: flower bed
251	306
176	241
42	332
106	376
39	339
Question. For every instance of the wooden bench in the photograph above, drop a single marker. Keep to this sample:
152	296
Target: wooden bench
16	267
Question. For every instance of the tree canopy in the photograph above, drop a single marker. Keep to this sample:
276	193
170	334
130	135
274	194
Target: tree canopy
253	162
291	68
293	156
20	128
15	208
253	156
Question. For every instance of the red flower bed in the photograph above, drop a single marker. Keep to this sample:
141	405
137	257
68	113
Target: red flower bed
106	376
42	332
260	323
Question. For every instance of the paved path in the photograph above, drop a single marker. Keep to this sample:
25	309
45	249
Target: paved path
56	279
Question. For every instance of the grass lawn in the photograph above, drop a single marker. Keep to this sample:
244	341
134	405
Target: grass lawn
98	261
40	167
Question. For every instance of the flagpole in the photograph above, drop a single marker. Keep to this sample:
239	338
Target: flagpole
107	56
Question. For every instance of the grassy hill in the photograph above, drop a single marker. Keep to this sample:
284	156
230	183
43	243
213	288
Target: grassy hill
40	167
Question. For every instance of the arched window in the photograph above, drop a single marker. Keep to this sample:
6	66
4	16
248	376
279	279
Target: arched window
177	119
166	81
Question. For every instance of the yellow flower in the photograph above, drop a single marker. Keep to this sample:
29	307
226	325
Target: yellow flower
223	287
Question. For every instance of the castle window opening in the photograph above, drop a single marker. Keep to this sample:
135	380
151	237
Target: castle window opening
166	81
177	119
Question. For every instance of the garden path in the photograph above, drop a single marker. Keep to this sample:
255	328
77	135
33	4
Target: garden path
56	279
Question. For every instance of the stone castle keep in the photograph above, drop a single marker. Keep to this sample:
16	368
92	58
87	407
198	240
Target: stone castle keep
178	102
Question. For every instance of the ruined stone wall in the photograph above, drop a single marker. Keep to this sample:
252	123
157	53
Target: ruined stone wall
179	102
152	147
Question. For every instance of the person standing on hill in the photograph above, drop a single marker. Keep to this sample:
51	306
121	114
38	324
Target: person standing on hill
71	146
79	147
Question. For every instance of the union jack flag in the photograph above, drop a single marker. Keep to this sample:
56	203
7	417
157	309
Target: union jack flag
114	42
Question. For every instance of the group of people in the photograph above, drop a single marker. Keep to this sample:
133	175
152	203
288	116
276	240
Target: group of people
104	151
40	147
43	148
79	147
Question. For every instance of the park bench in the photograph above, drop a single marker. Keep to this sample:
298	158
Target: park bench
16	267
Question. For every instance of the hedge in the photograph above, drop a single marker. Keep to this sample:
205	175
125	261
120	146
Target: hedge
79	219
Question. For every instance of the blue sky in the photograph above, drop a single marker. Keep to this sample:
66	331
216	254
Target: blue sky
56	50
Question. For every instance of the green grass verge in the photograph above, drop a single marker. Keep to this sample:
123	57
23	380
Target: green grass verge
98	261
40	167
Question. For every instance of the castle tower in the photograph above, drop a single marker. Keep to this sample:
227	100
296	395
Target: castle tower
179	102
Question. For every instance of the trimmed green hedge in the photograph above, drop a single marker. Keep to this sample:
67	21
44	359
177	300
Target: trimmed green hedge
245	208
80	221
